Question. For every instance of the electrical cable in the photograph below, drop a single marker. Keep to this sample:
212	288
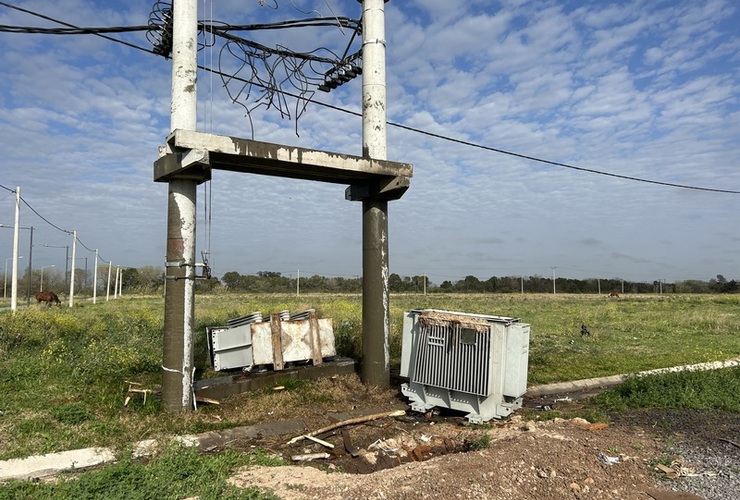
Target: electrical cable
520	155
222	31
42	16
44	218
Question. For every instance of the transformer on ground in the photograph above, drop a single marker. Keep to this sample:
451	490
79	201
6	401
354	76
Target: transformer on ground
474	363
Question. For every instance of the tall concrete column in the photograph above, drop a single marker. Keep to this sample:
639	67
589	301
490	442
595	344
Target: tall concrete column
16	235
375	296
179	306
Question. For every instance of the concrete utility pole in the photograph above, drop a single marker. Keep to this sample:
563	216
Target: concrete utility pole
107	286
95	278
375	295
179	307
16	235
72	274
553	279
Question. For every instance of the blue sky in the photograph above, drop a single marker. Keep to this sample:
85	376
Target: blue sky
644	89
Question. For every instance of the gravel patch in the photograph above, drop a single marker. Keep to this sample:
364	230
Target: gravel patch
712	469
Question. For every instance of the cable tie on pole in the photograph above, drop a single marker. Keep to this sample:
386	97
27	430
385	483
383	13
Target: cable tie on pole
373	41
171	370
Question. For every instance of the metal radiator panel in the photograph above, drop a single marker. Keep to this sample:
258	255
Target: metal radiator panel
447	359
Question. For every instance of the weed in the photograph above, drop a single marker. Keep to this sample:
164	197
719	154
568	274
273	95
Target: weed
689	389
479	443
71	413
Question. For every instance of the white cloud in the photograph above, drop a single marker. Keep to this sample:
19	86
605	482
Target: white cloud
634	88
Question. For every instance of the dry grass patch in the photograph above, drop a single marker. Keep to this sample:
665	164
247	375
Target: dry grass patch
314	399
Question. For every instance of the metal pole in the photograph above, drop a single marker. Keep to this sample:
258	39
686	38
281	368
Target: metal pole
95	278
179	303
107	286
72	274
115	284
16	234
375	296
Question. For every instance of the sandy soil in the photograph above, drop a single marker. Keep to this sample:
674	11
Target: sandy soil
442	456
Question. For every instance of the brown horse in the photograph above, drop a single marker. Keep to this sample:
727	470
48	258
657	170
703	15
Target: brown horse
48	297
614	294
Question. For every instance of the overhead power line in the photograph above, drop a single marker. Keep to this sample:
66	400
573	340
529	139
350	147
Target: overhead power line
559	164
392	124
33	30
44	218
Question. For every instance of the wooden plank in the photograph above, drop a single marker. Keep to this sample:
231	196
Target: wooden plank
277	342
315	334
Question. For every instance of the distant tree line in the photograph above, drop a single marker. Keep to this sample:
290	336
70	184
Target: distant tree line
270	281
150	280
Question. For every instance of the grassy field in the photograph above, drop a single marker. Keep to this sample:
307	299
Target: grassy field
64	372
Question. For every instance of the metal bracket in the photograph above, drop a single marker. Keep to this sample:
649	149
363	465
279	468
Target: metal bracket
180	264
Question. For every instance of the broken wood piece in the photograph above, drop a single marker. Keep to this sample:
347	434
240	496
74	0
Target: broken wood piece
348	446
133	390
320	441
672	495
209	401
309	456
356	420
668	471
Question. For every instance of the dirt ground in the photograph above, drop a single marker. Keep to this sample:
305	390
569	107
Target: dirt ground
416	456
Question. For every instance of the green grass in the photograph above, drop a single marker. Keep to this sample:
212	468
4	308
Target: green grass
709	390
177	473
64	372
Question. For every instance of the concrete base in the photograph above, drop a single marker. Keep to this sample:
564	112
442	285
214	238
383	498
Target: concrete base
222	387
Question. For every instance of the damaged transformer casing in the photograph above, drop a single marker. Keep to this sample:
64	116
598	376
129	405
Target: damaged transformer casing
466	362
278	339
